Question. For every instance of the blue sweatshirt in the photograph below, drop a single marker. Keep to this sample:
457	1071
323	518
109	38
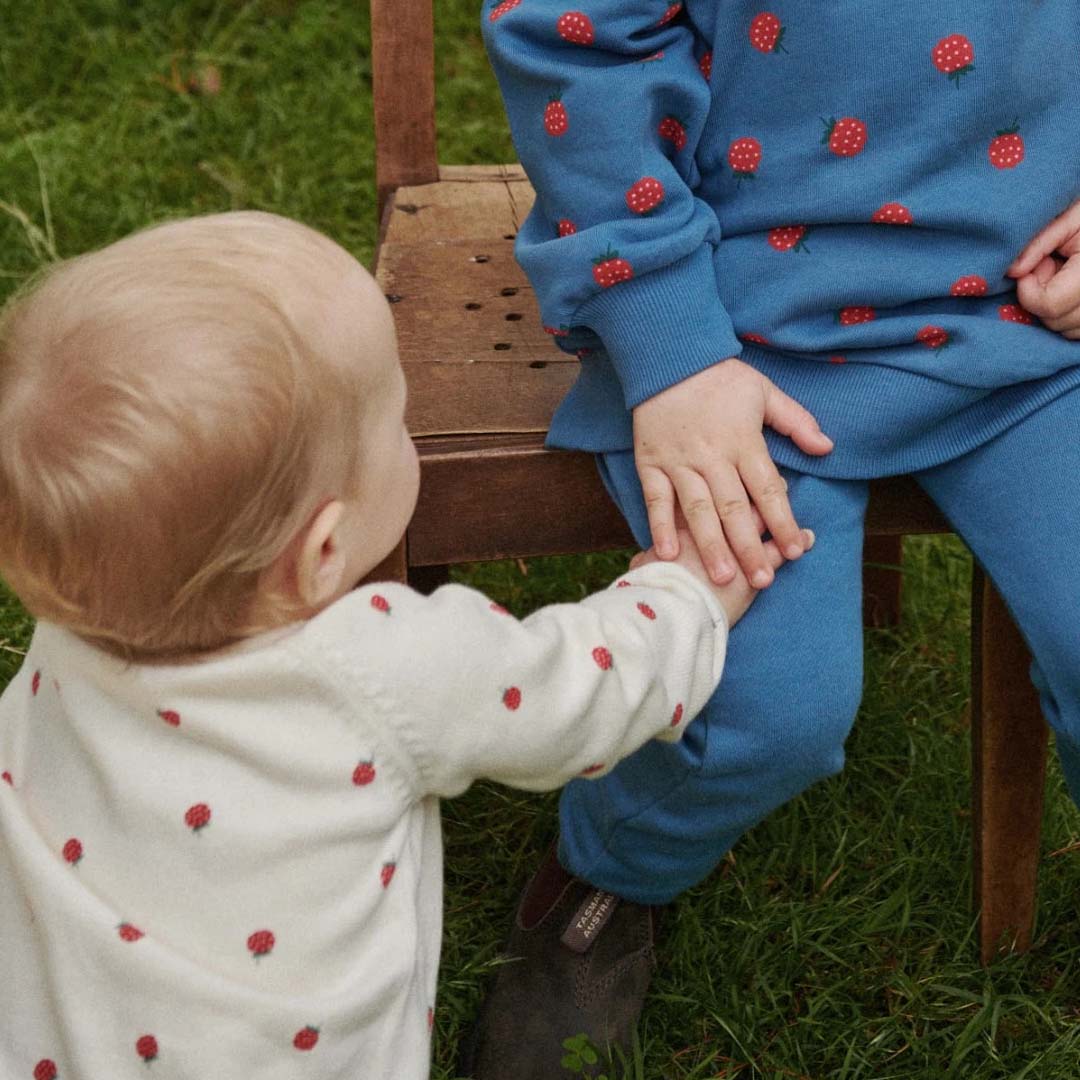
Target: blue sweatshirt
831	190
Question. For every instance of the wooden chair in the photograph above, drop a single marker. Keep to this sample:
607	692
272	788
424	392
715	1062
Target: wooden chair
484	380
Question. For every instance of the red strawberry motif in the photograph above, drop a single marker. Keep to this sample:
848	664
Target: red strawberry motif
197	817
307	1037
380	603
170	716
128	932
969	285
512	698
623	584
645	194
850	316
146	1047
755	339
954	56
35	683
589	770
566	227
499	609
788	238
45	1069
672	11
1007	148
575	27
744	157
676	716
602	657
556	122
501	9
610	269
1015	313
646	611
557	331
674	130
837	359
933	337
705	66
6	777
72	851
260	943
892	213
766	33
364	773
846	137
386	874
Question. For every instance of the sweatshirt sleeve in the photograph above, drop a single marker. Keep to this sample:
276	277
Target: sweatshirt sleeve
606	107
569	691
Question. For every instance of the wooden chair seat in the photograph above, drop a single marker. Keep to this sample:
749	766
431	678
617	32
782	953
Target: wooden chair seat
484	380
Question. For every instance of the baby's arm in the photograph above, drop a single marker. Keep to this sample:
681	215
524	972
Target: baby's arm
1046	286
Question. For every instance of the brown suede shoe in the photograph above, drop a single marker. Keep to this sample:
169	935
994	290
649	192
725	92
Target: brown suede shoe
578	960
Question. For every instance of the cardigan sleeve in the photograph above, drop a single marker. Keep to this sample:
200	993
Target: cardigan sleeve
471	692
606	108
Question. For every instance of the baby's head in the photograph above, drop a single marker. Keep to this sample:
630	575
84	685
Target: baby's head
201	435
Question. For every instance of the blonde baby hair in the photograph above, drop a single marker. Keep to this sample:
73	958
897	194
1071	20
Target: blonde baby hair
169	418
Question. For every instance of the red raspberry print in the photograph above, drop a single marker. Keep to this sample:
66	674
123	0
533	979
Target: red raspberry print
386	874
645	195
576	27
672	11
602	657
755	339
892	213
846	137
128	932
380	603
592	769
744	157
954	56
1015	313
261	943
1007	148
35	683
566	227
676	716
6	777
673	130
499	609
850	316
501	9
623	584
646	611
512	698
766	33
705	66
146	1047
969	285
307	1037
197	817
556	122
837	359
933	337
45	1069
363	774
170	716
72	851
609	269
788	238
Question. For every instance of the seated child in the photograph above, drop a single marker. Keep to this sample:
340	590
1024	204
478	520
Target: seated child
220	852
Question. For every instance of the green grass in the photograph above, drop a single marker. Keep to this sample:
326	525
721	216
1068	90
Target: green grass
837	941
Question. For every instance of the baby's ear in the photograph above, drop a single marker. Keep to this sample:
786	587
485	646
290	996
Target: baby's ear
320	559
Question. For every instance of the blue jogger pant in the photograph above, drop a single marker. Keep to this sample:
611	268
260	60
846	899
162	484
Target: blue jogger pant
664	817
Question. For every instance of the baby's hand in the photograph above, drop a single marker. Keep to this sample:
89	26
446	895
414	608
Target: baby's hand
735	596
1050	287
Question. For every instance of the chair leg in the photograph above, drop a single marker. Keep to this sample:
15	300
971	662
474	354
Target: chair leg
1008	739
882	580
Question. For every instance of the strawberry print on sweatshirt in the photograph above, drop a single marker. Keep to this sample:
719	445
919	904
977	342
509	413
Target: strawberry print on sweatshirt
306	1038
575	27
261	943
845	137
502	8
744	157
609	269
767	33
72	851
954	56
556	120
645	195
45	1069
147	1048
1007	148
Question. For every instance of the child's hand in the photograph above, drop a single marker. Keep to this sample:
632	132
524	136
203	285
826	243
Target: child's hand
737	595
699	448
1050	287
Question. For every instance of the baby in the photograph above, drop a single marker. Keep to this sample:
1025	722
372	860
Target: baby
220	849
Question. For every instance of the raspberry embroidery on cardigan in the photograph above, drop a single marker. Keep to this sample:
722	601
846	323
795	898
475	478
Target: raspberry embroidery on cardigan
307	1037
127	932
511	698
197	817
364	773
261	943
6	777
386	874
45	1069
676	716
72	851
646	611
146	1047
602	657
380	603
170	716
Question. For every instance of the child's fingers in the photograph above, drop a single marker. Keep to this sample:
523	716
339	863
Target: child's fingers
776	557
659	494
1049	239
1051	291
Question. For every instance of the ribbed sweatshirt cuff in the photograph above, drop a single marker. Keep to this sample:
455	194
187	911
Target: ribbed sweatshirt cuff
662	327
